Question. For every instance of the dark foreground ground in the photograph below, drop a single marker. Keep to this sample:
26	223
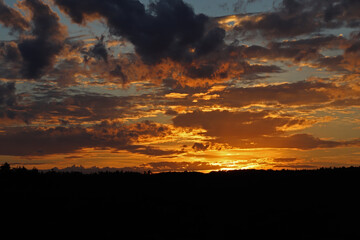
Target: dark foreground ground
247	204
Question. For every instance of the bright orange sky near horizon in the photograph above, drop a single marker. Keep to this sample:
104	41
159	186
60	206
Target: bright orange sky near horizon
178	85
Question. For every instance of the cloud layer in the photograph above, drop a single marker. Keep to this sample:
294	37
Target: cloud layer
177	88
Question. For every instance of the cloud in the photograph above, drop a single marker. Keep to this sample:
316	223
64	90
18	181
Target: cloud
294	18
32	141
311	92
355	47
9	51
288	94
170	40
285	159
152	151
235	124
300	141
99	50
48	35
168	29
7	94
164	60
56	105
254	130
297	141
200	147
10	112
215	67
12	18
7	100
307	50
295	166
34	53
342	11
118	72
348	102
281	24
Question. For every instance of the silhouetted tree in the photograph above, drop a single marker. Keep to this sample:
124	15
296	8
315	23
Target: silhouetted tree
5	167
301	204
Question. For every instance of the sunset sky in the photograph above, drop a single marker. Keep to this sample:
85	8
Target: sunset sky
174	85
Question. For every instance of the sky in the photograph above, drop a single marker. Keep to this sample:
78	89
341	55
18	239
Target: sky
175	85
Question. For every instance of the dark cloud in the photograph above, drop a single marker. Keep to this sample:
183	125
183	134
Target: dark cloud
355	47
7	94
52	104
295	166
276	25
291	94
285	159
347	102
225	63
228	64
299	141
10	52
343	11
332	63
7	100
47	40
99	50
30	141
171	112
57	105
65	71
211	41
10	111
293	18
301	50
37	142
281	24
200	147
118	72
12	18
255	69
318	42
152	151
203	71
168	29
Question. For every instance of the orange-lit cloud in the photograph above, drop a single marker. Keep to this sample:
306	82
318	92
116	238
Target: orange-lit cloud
254	130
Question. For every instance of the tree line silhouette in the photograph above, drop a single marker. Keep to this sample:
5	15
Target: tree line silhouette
241	204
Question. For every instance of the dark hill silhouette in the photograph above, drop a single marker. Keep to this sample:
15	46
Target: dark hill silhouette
244	204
